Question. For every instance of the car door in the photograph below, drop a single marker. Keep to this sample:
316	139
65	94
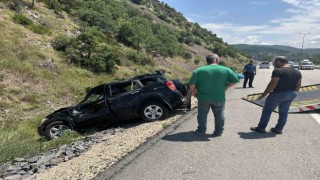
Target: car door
122	98
94	109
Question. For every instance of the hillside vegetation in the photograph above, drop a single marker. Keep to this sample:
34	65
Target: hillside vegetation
53	51
267	52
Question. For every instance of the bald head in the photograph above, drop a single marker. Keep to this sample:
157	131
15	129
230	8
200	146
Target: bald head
280	61
212	59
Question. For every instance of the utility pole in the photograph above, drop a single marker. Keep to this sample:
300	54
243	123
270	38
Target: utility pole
304	34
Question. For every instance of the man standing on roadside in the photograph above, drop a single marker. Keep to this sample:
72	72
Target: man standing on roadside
209	83
249	70
283	87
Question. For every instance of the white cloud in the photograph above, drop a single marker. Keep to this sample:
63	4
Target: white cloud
237	34
208	17
253	39
233	27
315	38
304	18
292	2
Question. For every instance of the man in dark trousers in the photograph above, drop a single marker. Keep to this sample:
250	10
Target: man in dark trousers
209	84
249	70
283	87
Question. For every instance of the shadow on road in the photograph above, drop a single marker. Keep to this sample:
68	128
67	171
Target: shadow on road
255	135
186	137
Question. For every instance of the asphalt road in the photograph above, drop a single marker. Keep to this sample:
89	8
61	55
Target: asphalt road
239	153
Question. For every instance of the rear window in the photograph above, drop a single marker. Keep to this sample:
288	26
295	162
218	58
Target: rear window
148	81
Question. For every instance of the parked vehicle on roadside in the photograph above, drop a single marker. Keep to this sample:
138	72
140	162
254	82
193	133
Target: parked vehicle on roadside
264	65
149	96
293	64
306	64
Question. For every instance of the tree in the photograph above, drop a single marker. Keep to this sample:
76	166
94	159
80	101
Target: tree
135	33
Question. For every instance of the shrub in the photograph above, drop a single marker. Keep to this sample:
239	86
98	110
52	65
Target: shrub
73	55
140	59
15	5
103	62
196	61
21	19
54	4
187	55
39	29
138	1
145	60
198	41
61	43
163	17
134	57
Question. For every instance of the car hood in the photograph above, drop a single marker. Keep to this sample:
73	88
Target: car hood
62	111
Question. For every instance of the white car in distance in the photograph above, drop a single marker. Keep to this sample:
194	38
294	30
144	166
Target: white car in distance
264	65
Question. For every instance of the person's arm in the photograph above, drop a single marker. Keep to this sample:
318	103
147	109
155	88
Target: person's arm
232	79
191	91
298	85
230	85
272	84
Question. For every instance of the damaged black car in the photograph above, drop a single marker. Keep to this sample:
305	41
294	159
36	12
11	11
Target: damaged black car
149	96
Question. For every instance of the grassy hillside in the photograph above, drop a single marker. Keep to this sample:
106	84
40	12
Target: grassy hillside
51	53
267	52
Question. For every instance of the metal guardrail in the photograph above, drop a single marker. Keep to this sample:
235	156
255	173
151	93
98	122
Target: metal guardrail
307	99
316	67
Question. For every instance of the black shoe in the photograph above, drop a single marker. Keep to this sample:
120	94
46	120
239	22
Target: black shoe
199	133
276	131
257	129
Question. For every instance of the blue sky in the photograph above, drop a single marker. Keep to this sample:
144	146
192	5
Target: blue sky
256	21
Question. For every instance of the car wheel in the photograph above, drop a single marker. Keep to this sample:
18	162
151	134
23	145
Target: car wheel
153	111
55	129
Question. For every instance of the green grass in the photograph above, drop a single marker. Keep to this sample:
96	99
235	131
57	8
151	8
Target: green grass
39	29
21	19
36	28
22	140
165	125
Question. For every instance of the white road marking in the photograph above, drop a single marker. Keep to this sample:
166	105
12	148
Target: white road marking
316	117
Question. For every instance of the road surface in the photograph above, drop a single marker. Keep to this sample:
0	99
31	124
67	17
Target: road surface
239	153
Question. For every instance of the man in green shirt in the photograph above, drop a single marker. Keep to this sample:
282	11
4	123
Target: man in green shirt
209	83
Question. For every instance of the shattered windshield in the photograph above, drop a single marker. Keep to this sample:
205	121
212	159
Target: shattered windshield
94	95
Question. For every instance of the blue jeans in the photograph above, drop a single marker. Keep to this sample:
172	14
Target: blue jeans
281	99
217	109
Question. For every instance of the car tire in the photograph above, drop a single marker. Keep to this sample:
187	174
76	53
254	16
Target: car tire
55	129
153	111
